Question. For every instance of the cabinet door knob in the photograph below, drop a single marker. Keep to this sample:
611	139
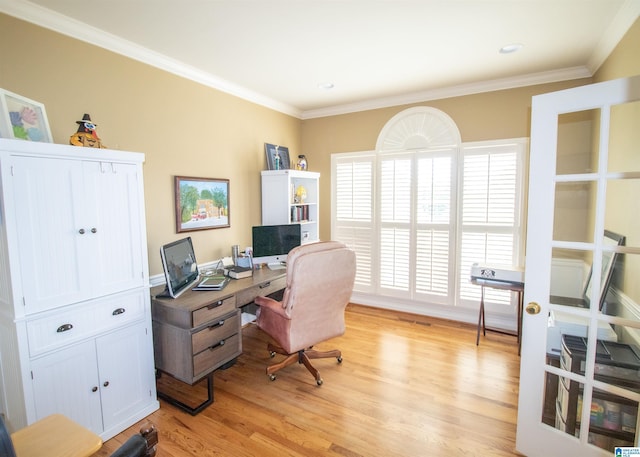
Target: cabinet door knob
94	389
94	230
81	231
64	328
106	384
118	311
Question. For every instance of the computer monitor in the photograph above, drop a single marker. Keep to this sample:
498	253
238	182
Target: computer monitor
179	265
272	243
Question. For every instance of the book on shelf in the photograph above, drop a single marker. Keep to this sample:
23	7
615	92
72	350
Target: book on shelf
237	272
216	282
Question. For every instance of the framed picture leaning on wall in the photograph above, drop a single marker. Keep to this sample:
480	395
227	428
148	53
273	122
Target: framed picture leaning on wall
22	118
273	151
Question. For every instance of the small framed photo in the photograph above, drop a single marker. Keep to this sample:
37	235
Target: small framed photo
201	203
274	151
23	119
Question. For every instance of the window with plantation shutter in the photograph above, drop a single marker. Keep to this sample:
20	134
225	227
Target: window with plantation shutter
352	178
490	228
419	217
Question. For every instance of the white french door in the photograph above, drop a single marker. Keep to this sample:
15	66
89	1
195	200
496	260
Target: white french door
580	368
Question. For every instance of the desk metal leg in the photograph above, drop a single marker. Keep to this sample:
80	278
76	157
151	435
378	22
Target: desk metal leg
481	322
183	406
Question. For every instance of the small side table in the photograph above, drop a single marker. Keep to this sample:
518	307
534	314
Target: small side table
55	436
502	285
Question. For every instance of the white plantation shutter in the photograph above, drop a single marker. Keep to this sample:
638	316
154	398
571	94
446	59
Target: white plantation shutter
418	219
353	215
490	213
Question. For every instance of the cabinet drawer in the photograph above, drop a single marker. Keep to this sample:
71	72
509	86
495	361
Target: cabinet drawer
218	330
246	296
210	359
77	322
213	311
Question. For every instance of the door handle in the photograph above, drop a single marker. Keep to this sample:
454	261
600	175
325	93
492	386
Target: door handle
532	308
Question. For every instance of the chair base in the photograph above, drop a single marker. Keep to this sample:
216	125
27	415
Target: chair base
303	357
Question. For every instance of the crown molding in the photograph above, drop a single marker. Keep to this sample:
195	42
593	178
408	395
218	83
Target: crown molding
454	91
65	25
43	17
627	15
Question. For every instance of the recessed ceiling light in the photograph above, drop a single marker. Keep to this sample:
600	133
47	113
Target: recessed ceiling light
325	86
510	48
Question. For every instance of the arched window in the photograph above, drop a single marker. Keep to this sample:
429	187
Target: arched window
423	206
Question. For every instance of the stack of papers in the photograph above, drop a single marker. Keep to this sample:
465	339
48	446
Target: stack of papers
216	282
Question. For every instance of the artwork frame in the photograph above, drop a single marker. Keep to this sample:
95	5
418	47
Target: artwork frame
283	151
201	203
23	119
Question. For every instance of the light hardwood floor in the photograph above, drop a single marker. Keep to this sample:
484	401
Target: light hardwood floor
408	386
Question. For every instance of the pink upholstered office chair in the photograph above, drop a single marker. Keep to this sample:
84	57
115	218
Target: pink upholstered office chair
320	280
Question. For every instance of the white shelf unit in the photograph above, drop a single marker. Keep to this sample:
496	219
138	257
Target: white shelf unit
279	203
75	309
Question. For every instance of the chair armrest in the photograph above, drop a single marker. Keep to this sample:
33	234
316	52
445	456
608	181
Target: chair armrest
143	444
272	305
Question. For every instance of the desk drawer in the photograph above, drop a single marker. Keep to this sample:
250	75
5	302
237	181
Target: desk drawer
218	330
213	311
246	296
210	359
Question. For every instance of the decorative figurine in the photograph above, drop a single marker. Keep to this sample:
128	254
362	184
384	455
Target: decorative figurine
86	135
302	162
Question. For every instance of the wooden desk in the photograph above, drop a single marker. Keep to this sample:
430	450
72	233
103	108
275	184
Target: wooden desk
55	436
201	331
502	285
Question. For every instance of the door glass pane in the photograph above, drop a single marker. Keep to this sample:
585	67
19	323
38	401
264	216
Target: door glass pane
624	138
577	142
573	211
612	422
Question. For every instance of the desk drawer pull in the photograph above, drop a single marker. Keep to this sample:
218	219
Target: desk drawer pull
64	328
220	343
217	324
215	305
266	284
118	311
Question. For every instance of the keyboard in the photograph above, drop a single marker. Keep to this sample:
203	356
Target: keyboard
277	266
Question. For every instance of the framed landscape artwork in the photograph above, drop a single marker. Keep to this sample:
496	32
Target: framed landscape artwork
201	203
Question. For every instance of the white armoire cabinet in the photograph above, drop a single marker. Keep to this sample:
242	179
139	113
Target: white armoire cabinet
292	197
75	320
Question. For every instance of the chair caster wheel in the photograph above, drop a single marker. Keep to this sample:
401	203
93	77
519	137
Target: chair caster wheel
319	382
339	359
272	377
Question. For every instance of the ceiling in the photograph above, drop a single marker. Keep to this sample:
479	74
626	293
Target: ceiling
375	53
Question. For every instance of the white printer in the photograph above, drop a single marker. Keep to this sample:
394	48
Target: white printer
500	274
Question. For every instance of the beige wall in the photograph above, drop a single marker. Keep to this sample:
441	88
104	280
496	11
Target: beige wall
493	115
187	129
184	128
623	205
